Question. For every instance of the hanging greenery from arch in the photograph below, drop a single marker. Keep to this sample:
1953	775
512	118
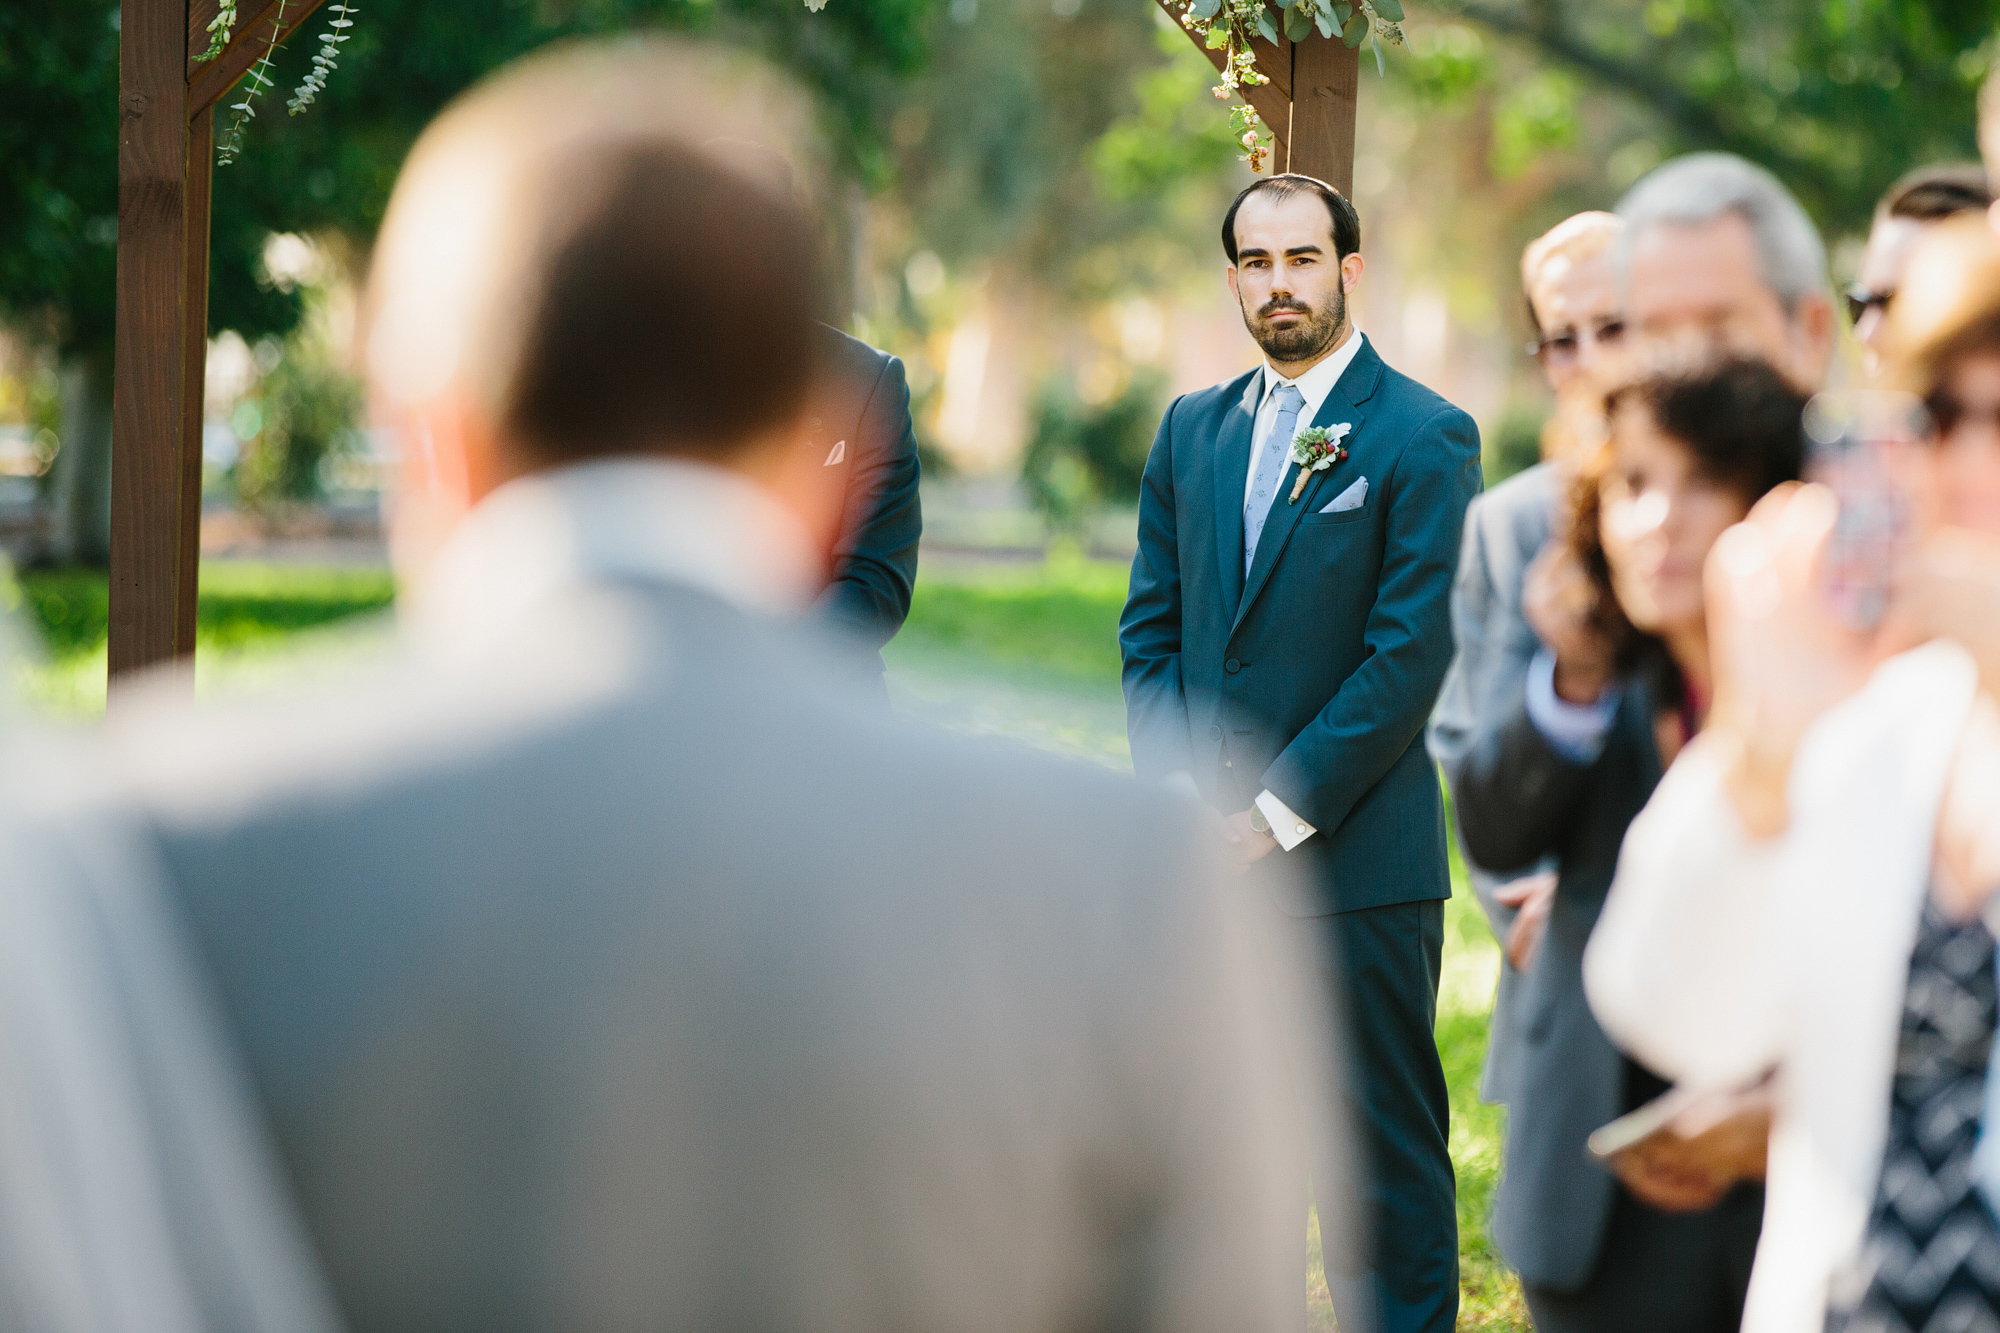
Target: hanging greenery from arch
223	25
1228	26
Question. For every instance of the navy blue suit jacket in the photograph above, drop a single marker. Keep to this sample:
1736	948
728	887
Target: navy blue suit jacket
861	426
1314	676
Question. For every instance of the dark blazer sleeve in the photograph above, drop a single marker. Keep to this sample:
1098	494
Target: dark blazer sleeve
875	564
1149	632
1380	709
1515	795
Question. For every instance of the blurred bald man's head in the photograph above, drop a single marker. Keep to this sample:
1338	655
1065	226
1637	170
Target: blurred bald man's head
572	267
1572	290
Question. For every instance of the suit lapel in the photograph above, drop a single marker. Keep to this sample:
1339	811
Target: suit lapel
1345	403
1232	466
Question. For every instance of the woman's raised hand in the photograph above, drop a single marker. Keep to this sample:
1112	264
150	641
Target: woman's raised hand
1781	658
1559	602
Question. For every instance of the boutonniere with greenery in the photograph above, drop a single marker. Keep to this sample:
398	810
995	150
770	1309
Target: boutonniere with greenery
1315	449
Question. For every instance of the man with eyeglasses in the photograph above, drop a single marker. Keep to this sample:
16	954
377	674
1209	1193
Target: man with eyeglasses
1913	204
1571	288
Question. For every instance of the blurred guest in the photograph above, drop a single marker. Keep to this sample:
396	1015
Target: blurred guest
1718	254
1284	639
138	1189
1559	772
1811	886
1925	196
1571	289
599	964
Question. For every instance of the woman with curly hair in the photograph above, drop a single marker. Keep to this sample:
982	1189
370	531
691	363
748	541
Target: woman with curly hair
1619	686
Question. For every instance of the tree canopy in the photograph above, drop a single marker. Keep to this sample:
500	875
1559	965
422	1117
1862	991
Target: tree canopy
1838	97
330	169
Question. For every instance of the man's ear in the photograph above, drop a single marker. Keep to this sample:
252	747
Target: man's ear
1350	272
1817	330
450	460
1229	273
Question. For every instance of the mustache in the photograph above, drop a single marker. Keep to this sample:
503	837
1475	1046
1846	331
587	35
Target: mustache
1271	308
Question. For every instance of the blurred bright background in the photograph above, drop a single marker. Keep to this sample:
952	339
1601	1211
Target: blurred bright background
1023	205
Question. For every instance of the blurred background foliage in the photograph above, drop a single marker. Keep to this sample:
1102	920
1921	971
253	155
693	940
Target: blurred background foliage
1024	199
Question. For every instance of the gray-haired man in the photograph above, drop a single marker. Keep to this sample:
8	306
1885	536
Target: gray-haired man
1717	252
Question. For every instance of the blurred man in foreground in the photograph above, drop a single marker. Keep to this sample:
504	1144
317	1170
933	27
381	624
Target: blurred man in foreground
138	1192
1571	287
597	965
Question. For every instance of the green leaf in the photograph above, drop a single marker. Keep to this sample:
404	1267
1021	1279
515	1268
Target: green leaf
1205	10
1381	69
1324	20
1297	25
1341	13
1268	29
1218	36
1357	28
1390	11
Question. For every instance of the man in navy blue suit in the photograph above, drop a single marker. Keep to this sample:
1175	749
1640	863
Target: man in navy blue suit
1284	640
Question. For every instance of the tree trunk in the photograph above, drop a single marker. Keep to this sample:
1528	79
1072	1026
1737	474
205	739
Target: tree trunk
80	477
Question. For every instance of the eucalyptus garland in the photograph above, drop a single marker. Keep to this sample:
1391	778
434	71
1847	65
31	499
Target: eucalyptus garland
327	57
1228	26
256	82
258	79
219	29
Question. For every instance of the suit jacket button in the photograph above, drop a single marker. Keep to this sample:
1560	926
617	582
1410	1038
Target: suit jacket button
1232	666
1215	733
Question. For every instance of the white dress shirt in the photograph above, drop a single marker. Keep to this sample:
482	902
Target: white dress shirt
1574	731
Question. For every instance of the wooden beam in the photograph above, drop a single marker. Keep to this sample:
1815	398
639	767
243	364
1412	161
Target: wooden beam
209	80
150	409
1326	86
194	380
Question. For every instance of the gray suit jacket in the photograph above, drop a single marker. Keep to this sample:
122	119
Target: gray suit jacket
1504	530
630	979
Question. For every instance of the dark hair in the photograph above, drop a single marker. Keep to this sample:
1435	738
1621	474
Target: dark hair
639	335
1931	194
1346	223
1739	418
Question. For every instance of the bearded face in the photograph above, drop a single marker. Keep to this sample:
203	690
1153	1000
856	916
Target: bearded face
1290	329
1289	276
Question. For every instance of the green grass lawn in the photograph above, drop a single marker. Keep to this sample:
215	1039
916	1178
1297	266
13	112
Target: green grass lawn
1028	651
251	622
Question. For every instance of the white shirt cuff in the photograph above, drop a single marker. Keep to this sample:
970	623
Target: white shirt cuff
1286	827
1574	731
1182	781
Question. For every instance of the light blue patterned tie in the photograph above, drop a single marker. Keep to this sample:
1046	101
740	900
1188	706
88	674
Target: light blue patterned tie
1270	469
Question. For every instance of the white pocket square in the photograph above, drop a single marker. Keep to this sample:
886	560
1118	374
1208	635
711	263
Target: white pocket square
1350	498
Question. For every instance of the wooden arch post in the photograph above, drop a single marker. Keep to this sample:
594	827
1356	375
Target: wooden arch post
166	154
1309	103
